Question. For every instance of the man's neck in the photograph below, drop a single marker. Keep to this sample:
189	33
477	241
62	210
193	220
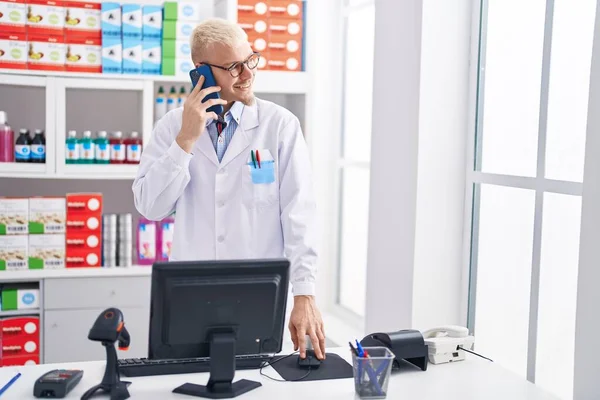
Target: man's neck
227	107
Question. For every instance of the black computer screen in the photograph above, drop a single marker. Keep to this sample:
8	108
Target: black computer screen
192	300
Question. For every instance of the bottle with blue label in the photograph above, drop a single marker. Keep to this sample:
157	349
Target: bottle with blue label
23	147
38	147
86	149
102	148
72	148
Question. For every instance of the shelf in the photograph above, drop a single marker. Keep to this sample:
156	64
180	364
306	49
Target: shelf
72	171
266	81
30	275
14	313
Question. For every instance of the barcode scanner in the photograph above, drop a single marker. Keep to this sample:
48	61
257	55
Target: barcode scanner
108	329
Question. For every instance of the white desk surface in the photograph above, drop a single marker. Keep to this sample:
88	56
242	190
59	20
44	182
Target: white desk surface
474	378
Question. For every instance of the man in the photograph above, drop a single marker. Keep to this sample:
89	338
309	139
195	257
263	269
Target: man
228	204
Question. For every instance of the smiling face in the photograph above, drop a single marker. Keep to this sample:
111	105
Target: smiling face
238	88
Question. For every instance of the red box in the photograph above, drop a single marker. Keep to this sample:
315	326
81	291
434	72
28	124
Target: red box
45	17
83	18
284	44
258	41
46	52
84	241
283	62
84	203
13	16
253	24
291	27
286	9
30	359
20	346
13	50
258	8
78	258
87	223
15	327
84	54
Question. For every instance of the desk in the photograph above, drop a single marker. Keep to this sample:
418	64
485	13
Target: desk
472	379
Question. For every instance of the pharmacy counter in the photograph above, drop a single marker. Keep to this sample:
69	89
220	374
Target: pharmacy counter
473	378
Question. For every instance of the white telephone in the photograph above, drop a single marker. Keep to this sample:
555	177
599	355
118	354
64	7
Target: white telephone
445	343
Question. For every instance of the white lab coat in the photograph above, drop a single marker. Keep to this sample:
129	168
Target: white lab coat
220	212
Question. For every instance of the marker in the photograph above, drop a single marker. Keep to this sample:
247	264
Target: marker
253	159
258	158
10	383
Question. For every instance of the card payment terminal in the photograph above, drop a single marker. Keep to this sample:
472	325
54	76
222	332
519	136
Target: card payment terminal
57	383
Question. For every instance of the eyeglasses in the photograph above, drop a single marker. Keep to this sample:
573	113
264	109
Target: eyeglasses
237	68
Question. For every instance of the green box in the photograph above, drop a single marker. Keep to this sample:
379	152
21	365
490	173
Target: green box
170	11
168	48
9	299
168	66
178	30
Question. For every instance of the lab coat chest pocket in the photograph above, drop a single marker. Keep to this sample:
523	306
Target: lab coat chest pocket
259	180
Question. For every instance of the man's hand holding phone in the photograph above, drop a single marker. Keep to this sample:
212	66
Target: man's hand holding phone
195	115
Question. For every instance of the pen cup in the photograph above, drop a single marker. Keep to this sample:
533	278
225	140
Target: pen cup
372	374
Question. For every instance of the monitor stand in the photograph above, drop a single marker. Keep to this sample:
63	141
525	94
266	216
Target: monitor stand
222	370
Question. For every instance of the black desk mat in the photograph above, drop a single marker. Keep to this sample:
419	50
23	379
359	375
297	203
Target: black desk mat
333	367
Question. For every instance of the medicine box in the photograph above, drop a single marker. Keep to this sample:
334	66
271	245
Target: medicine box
183	10
84	203
83	223
112	55
20	346
111	19
14	216
252	8
46	52
178	30
13	16
77	258
20	326
151	57
282	62
47	215
31	359
83	241
26	298
176	49
46	17
132	21
152	17
146	242
14	252
83	18
84	54
13	50
292	9
132	56
47	251
177	66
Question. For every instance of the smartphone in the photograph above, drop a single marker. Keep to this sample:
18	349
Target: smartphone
209	80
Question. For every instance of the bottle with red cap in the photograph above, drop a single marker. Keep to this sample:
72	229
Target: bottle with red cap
133	145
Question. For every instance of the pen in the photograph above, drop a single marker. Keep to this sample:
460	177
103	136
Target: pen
10	383
253	159
258	158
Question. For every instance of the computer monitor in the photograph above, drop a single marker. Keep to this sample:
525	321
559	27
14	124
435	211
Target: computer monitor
218	309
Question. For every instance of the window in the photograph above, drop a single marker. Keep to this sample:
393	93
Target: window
527	174
355	154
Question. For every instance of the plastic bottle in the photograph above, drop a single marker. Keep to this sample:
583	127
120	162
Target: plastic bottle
172	99
38	147
23	146
86	149
7	140
146	242
182	97
102	146
160	106
117	148
133	147
72	148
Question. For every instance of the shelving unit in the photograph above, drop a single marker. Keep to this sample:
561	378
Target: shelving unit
16	313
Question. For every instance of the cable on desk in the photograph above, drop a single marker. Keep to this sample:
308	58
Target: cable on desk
472	352
269	363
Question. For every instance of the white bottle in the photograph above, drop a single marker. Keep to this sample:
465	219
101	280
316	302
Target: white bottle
160	105
87	148
182	97
172	100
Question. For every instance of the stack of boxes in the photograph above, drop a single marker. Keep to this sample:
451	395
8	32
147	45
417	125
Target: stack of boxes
84	230
50	35
275	28
20	339
180	18
131	38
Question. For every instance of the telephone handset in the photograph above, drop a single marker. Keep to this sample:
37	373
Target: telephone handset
447	330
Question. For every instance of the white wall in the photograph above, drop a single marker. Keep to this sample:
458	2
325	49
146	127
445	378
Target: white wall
420	120
443	132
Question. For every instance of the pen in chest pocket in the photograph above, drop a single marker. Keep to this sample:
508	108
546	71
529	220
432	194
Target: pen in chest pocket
258	158
253	159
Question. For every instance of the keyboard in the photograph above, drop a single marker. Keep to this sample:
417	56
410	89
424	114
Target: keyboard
133	367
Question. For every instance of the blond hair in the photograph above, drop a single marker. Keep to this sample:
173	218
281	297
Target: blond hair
215	30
